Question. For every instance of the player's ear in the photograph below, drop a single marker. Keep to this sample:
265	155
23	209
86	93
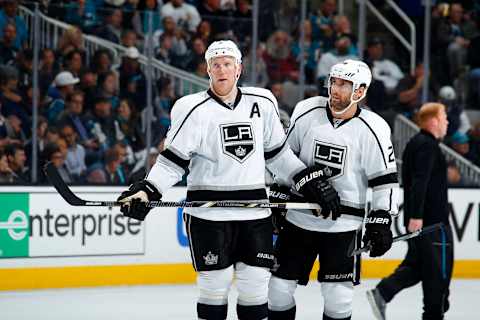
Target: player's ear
239	71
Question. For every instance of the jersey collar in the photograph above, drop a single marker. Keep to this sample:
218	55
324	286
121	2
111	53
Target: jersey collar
223	104
341	123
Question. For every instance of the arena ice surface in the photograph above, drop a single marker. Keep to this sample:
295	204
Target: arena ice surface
179	302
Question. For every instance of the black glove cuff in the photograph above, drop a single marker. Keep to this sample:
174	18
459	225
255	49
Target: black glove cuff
152	192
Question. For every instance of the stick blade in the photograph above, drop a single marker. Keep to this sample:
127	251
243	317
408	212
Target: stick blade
56	180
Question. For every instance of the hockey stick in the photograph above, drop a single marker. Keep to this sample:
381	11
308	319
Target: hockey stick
67	194
402	237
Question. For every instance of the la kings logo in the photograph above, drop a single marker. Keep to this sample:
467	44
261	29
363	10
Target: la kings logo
238	140
330	157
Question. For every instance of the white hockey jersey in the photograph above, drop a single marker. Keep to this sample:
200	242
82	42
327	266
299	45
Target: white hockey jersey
226	150
358	153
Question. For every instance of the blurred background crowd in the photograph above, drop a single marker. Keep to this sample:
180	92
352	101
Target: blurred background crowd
92	117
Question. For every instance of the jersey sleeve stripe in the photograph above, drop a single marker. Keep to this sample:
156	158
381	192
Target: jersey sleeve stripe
213	195
269	155
383	180
188	115
376	138
182	163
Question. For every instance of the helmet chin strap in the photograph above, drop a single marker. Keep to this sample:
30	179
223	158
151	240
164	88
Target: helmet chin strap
352	102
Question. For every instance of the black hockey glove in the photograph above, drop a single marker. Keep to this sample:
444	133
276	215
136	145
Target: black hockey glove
313	185
135	198
378	233
277	194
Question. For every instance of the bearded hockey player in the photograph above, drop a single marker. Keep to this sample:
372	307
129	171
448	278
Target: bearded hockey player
353	146
226	136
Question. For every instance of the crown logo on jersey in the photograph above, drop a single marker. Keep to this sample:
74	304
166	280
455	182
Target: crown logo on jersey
327	171
240	152
210	258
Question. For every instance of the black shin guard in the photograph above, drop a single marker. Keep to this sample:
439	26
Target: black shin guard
282	315
257	312
211	312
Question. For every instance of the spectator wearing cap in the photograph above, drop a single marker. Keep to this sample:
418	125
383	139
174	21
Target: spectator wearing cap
185	15
456	115
327	60
64	84
9	14
8	50
460	143
132	80
383	69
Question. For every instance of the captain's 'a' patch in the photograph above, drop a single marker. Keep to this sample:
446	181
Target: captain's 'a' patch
331	156
238	140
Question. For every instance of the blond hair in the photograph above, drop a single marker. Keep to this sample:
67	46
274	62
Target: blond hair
428	111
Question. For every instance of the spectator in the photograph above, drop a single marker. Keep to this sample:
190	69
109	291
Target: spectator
456	115
343	28
48	69
71	39
261	68
73	62
11	98
312	51
473	60
323	24
101	123
410	91
185	15
164	50
243	21
196	54
7	133
82	13
163	105
453	35
202	70
383	69
112	28
75	157
108	88
146	7
210	10
460	143
42	127
6	174
204	32
327	60
102	61
64	84
88	85
132	79
455	177
130	126
281	65
109	173
9	14
129	38
8	51
54	155
178	38
25	68
16	161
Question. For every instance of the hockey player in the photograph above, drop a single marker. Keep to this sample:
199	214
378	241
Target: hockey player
226	136
354	146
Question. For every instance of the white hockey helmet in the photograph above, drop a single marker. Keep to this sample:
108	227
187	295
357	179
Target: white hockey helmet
223	48
352	70
447	93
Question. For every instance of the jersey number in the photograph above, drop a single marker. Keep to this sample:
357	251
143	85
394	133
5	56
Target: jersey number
391	156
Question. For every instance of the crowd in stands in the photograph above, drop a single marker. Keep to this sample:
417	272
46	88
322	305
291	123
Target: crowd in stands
92	116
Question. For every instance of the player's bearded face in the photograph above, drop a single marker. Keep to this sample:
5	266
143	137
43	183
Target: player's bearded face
224	73
340	93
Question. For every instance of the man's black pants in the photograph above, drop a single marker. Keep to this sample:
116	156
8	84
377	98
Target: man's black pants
429	260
